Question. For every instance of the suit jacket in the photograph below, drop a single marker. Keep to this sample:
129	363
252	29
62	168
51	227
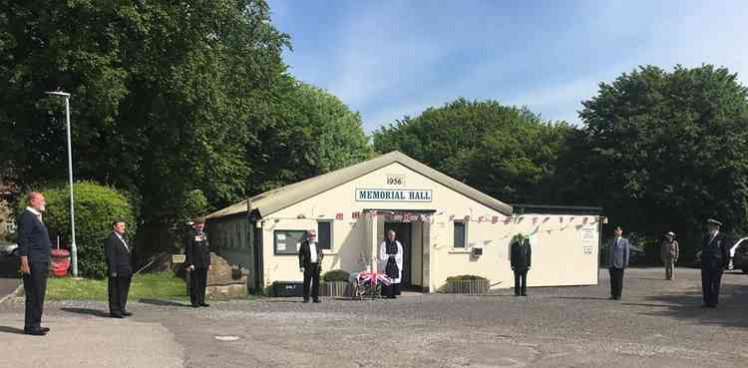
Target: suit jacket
118	256
618	253
715	253
197	250
669	251
33	238
521	254
305	256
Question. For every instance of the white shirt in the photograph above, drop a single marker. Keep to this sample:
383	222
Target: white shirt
123	240
313	252
35	212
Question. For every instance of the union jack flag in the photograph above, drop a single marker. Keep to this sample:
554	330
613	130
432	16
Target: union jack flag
373	278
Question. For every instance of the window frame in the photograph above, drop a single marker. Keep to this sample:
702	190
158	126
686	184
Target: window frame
464	234
330	246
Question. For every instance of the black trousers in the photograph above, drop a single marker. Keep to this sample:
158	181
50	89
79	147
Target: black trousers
391	290
616	282
311	275
118	288
711	278
35	287
198	282
520	282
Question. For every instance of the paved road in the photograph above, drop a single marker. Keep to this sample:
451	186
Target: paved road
7	286
8	272
658	323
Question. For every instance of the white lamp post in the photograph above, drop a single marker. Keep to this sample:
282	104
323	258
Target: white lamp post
73	247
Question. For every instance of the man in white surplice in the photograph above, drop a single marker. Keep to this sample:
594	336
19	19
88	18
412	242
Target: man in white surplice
391	264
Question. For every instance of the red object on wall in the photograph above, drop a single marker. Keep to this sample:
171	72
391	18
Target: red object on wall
339	216
60	262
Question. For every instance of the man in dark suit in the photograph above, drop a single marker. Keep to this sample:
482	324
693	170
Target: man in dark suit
619	250
715	249
520	257
34	247
310	257
197	262
118	252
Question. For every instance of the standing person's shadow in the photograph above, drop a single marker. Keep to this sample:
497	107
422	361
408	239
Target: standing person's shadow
7	329
86	311
164	303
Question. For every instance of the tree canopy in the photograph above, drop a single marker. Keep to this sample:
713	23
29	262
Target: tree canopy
665	150
507	152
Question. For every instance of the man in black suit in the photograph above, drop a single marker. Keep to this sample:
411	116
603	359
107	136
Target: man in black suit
34	247
715	249
197	262
118	253
310	257
520	257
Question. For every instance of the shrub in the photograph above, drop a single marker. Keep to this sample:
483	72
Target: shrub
465	278
335	275
96	207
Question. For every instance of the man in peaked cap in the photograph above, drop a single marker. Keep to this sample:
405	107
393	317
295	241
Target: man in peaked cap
714	257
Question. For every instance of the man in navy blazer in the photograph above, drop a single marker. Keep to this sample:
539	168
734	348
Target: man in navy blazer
34	247
118	251
618	259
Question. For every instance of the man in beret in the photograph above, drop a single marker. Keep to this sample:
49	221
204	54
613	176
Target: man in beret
714	258
197	262
669	253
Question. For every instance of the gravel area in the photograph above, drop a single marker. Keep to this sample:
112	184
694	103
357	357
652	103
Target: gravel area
658	323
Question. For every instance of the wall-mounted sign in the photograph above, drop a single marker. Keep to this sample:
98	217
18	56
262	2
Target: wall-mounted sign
393	195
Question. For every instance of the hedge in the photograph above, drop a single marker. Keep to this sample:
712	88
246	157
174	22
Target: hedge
96	207
335	275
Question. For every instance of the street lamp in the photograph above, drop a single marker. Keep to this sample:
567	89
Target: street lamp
73	247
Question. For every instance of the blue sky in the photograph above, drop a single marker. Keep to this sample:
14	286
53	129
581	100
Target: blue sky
387	59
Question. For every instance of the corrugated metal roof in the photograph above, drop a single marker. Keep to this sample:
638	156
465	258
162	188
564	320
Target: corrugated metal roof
277	199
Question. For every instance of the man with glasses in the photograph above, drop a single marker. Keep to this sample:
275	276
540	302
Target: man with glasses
310	257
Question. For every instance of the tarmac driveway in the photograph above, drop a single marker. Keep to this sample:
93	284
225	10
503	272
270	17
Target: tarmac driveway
658	323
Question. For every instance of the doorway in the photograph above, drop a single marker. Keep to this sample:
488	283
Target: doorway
403	234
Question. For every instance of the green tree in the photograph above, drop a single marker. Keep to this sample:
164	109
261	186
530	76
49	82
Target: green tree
166	96
308	132
665	150
507	152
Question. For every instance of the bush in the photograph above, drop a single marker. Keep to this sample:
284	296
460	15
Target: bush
335	275
465	278
96	207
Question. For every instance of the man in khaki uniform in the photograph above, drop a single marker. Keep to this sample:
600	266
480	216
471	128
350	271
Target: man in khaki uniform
669	254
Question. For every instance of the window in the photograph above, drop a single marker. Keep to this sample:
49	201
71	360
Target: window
459	233
288	241
324	234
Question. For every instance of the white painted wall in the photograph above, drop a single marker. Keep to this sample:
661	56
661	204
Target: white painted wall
559	256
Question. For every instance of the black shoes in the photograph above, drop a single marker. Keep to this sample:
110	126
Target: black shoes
116	315
45	329
126	314
306	300
204	305
316	301
35	332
